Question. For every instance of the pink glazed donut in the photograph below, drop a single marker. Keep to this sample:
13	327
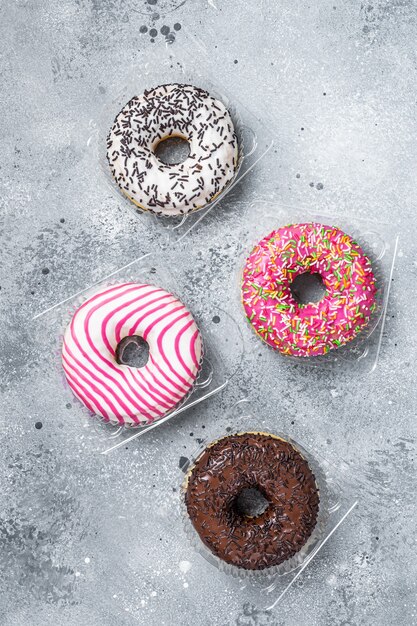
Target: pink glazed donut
119	393
315	328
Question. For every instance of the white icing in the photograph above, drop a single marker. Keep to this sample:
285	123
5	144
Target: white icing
173	110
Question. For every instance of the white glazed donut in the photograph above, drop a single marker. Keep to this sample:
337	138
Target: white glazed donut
120	393
173	111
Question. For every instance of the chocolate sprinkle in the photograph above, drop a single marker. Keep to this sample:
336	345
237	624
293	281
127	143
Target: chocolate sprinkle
274	468
173	110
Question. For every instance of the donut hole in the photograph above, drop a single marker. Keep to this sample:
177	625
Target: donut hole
132	351
172	150
250	502
308	288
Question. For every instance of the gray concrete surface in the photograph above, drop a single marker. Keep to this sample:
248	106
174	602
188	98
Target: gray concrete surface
93	540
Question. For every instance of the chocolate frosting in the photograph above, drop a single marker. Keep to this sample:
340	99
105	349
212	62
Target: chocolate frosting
279	472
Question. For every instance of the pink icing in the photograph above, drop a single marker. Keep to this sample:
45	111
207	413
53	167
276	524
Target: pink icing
314	328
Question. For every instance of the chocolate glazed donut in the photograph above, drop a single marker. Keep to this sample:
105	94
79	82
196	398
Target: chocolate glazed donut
277	470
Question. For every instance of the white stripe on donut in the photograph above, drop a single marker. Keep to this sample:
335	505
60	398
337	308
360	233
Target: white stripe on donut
117	392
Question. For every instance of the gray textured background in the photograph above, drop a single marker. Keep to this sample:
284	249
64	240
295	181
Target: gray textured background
86	539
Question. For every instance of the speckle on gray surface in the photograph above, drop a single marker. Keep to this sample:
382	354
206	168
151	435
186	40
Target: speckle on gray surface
80	532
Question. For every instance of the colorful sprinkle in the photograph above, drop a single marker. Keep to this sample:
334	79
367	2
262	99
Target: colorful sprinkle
308	329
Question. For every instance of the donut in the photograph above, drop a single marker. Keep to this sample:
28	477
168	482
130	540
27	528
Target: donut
121	394
274	468
168	111
315	328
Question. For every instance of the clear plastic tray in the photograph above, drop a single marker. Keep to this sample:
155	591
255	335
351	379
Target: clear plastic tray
222	353
379	241
179	66
339	496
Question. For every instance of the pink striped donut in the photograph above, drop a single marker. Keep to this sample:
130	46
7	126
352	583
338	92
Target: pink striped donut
119	393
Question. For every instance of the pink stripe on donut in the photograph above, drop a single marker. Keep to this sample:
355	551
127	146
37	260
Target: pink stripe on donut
77	376
131	394
133	328
114	312
81	392
177	348
160	383
152	325
141	379
151	389
100	294
97	307
193	352
124	320
161	349
106	375
167	378
121	372
97	390
167	327
135	400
